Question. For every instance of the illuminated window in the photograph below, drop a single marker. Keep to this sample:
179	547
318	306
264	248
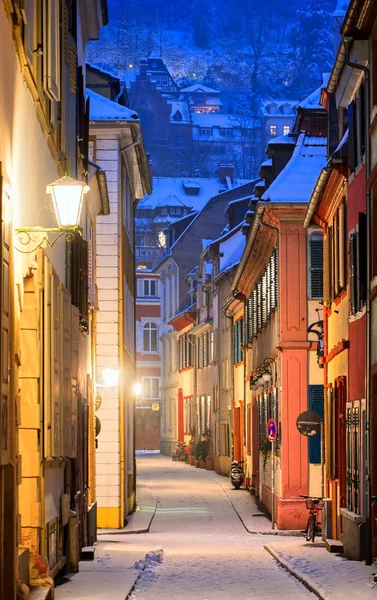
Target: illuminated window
273	130
286	129
162	239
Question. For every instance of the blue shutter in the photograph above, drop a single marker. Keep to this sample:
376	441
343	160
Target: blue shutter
315	403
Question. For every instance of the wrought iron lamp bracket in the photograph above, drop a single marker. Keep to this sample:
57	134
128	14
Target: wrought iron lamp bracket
30	239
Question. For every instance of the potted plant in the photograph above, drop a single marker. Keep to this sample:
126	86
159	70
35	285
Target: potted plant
191	445
199	453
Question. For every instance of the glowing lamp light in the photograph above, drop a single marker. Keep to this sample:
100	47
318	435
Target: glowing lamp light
130	66
111	377
260	381
266	376
137	389
67	194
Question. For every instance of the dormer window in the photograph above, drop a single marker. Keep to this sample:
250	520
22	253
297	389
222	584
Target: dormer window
273	130
205	131
286	129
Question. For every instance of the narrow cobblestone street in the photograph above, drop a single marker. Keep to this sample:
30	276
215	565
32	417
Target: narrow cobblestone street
206	551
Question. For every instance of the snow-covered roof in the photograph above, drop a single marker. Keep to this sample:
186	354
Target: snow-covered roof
172	191
181	106
231	249
312	101
341	8
296	181
198	87
205	243
213	102
103	109
103	70
267	163
216	120
267	104
288	138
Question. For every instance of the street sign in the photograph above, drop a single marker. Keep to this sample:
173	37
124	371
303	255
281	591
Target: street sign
309	423
156	406
271	430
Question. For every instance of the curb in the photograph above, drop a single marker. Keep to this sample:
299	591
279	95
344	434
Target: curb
299	577
276	532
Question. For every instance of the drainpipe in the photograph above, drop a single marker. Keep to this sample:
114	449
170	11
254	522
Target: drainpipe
348	41
225	308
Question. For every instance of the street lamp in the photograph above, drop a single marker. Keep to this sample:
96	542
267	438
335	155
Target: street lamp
137	389
67	194
111	377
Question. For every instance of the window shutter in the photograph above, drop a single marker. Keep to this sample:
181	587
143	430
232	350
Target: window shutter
361	102
329	434
66	396
250	320
259	300
273	280
51	49
5	357
139	283
75	336
316	404
269	289
205	350
316	267
326	269
276	282
53	345
353	267
352	137
255	313
264	299
342	246
362	260
336	255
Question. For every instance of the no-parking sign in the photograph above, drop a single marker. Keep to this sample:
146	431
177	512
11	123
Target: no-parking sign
271	430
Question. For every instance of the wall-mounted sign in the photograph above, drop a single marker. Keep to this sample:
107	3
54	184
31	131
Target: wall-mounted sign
156	406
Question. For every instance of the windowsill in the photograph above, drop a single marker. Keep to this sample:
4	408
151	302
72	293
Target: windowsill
357	170
357	316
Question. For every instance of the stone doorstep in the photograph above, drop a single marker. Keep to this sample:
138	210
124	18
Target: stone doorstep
41	592
87	553
334	545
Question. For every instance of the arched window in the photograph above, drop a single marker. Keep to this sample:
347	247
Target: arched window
150	337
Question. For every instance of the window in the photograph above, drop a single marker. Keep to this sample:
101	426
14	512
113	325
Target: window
151	388
150	337
161	239
205	349
286	129
226	132
358	264
315	266
185	352
204	413
268	408
150	287
273	130
80	280
262	302
334	279
316	404
224	439
205	131
187	419
237	340
356	126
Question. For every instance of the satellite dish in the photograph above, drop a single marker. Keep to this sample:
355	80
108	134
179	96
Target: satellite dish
309	423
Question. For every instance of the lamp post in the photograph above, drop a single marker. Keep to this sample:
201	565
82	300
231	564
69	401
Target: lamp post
67	194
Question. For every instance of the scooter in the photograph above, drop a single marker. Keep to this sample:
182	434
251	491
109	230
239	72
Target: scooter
237	475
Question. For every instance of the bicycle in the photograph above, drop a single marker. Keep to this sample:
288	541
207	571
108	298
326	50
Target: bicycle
314	505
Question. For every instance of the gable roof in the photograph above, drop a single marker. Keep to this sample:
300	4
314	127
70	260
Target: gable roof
296	181
198	87
103	109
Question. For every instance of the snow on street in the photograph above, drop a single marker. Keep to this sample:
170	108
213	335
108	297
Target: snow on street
197	545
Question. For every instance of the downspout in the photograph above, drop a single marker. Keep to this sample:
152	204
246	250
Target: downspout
347	43
225	308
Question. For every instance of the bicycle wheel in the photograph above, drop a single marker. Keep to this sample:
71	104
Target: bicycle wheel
310	533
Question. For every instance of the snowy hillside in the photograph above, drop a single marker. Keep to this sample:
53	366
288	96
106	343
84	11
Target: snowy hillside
272	47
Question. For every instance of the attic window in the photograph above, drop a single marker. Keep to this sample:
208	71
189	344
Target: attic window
286	129
191	188
273	129
177	116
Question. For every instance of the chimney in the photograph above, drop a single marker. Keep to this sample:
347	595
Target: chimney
222	174
143	68
230	172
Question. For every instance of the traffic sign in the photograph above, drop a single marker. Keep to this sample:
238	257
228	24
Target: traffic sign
271	430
